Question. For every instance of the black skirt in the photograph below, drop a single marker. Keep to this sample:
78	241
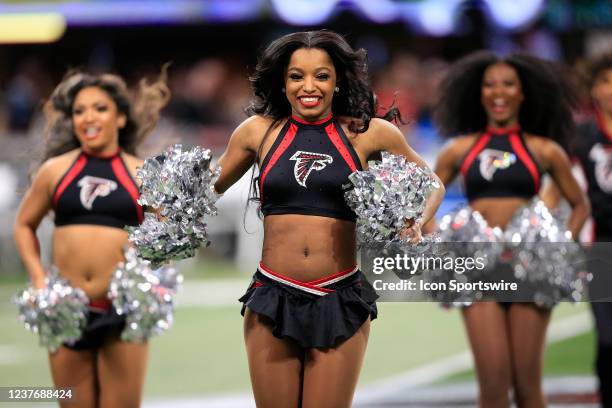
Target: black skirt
100	325
313	320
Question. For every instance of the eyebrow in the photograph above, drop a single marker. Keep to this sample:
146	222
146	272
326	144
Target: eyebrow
316	69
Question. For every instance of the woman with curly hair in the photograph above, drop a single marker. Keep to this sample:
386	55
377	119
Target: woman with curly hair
308	310
508	119
87	180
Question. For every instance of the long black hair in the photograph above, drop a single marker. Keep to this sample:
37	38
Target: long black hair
546	110
142	109
355	98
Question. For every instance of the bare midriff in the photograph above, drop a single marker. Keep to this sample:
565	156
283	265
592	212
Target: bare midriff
87	255
306	247
498	211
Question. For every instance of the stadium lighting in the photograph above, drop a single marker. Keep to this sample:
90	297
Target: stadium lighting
304	12
512	14
31	28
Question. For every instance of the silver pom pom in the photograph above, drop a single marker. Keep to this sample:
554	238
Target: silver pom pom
465	234
386	196
180	185
58	313
544	255
144	295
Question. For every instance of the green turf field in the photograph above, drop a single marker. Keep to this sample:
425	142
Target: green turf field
204	352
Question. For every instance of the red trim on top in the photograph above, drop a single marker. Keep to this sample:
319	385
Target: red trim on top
294	281
334	276
602	126
104	304
103	156
342	149
125	180
284	144
74	171
521	152
318	122
469	159
503	131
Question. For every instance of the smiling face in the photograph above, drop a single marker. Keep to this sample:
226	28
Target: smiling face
310	80
501	94
96	121
602	91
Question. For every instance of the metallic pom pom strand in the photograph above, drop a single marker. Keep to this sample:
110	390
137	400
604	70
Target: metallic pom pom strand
544	255
144	296
58	312
386	196
180	185
465	233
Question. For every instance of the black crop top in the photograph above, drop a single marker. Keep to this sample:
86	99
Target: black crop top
593	150
306	170
499	164
99	191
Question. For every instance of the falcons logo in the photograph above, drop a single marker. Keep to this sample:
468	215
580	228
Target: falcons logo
491	160
93	187
602	157
305	162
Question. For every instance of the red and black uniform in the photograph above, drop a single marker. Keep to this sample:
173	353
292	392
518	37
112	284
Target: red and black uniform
306	172
499	164
97	191
593	151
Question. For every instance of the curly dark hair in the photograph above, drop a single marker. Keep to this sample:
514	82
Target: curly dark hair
142	109
549	97
596	66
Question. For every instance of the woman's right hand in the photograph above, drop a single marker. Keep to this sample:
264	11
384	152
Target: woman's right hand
38	282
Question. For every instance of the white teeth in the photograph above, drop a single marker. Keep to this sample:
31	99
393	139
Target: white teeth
309	100
499	102
91	131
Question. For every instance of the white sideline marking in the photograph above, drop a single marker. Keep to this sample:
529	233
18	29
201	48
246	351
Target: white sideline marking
559	330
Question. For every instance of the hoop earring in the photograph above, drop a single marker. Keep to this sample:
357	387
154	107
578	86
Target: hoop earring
336	89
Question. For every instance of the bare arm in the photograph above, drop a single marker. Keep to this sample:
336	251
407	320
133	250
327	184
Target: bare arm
561	172
550	194
238	157
390	138
446	169
35	205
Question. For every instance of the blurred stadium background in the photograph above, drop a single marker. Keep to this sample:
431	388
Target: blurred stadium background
418	353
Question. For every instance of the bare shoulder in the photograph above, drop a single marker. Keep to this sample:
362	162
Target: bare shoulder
132	162
544	146
252	130
462	143
51	171
58	164
455	149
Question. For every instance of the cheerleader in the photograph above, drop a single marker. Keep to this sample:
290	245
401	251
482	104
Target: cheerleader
87	181
307	312
508	119
592	150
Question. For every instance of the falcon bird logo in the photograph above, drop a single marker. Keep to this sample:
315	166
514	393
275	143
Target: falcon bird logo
305	162
491	160
602	157
94	187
